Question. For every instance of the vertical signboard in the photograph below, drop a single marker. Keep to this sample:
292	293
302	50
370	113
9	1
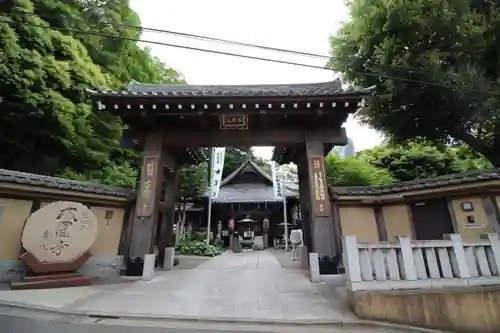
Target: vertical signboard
146	195
321	205
216	172
277	186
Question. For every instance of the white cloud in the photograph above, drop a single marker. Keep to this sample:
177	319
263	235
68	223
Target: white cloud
296	25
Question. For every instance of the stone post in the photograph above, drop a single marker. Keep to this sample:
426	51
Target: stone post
351	258
408	268
460	259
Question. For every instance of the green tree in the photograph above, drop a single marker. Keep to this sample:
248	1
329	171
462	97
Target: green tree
122	175
46	66
46	122
452	44
193	184
419	160
350	171
235	157
122	58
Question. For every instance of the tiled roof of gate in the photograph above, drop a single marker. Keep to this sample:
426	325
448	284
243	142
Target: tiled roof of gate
265	90
420	184
22	178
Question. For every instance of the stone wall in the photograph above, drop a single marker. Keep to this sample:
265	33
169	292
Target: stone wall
472	310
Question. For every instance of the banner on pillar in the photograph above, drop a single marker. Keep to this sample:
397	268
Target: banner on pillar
277	181
147	189
216	170
321	203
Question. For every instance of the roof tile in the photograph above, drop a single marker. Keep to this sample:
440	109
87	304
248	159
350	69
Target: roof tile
432	182
274	90
16	177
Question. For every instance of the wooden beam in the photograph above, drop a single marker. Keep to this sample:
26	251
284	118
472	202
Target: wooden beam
176	138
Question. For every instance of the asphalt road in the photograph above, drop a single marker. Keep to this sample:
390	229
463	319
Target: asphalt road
23	325
9	324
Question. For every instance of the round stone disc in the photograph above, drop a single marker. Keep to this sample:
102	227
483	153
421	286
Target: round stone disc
60	232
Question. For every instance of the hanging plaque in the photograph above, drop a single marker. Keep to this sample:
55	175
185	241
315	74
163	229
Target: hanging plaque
233	121
321	204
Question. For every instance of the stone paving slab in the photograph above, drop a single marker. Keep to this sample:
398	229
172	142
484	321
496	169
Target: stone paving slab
248	286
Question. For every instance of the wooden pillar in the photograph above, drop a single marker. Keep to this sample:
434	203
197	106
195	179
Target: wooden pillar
319	202
337	228
168	217
147	205
304	194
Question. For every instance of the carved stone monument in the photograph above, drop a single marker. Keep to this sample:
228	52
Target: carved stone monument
56	240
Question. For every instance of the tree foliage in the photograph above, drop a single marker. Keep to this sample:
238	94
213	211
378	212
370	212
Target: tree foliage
193	182
47	62
445	54
46	122
235	157
420	160
351	171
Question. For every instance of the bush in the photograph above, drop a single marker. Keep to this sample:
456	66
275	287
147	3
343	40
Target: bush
194	246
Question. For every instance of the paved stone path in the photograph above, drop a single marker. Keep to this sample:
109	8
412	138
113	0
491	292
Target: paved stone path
249	286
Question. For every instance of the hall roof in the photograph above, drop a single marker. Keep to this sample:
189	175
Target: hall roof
231	192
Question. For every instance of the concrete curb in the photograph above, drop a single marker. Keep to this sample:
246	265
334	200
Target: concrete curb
7	307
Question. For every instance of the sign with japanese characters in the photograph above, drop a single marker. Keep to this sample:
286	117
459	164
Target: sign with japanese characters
321	205
146	195
216	170
233	122
277	178
60	232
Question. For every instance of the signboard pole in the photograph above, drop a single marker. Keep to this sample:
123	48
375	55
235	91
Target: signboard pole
210	179
285	215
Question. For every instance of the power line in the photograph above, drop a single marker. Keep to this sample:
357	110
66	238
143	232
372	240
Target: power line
372	74
227	41
206	38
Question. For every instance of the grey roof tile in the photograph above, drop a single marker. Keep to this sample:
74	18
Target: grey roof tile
16	177
240	193
418	184
263	90
250	192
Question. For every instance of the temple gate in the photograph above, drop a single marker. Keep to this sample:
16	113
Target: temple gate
173	123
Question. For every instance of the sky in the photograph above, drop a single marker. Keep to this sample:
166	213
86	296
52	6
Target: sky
296	25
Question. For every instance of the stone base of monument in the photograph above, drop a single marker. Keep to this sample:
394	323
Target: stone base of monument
52	275
58	280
